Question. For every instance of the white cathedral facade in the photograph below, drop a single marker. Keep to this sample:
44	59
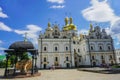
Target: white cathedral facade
65	49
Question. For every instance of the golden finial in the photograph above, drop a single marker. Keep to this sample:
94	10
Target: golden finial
49	24
66	20
71	21
91	26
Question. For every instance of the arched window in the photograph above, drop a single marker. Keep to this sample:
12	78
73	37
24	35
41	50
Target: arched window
67	59
45	49
91	37
74	50
100	47
56	49
110	56
109	47
79	59
55	30
78	50
91	47
48	35
73	42
64	37
66	48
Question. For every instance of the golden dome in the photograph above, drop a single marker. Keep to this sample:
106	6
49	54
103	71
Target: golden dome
65	28
72	27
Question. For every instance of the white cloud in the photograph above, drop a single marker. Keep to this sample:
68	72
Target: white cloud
56	1
2	15
83	31
4	27
32	32
57	6
1	48
100	11
1	42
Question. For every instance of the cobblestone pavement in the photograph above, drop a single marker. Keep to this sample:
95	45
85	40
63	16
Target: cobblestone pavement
68	74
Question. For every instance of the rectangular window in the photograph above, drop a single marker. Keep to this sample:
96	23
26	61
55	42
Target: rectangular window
110	56
45	59
79	60
102	57
93	57
56	58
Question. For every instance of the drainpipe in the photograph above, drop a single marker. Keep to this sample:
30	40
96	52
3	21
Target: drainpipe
41	54
70	51
89	51
113	50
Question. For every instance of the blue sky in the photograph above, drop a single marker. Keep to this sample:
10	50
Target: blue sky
32	16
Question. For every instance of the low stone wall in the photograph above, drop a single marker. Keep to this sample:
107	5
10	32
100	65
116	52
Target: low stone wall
101	70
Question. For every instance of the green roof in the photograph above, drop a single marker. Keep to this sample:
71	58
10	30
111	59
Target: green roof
2	57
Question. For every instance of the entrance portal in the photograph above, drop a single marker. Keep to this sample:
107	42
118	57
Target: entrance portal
68	65
94	63
44	66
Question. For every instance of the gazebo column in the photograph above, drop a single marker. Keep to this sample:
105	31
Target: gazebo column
32	72
6	66
15	64
36	70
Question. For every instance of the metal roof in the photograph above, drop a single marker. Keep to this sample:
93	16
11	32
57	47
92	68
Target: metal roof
19	45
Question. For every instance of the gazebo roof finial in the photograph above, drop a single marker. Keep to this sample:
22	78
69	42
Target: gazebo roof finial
25	38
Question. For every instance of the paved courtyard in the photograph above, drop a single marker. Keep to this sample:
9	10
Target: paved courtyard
68	74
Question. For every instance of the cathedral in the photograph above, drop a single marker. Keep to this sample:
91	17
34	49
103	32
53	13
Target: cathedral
66	49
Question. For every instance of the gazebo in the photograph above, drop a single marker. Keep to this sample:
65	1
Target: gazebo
18	48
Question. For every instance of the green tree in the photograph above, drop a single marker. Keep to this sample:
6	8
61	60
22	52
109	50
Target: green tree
12	60
2	64
25	56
